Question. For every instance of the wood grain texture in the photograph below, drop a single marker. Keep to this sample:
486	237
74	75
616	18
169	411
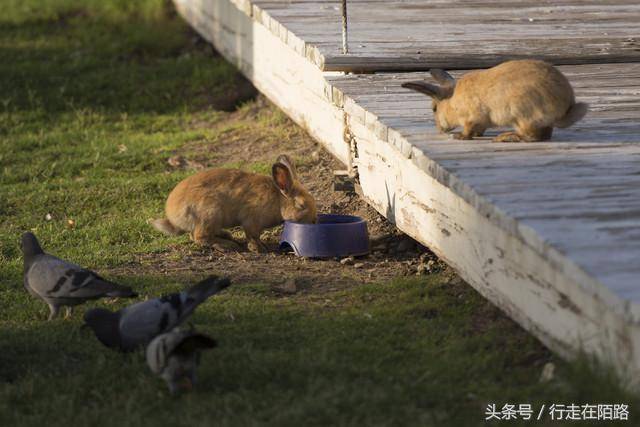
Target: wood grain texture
579	193
546	231
421	34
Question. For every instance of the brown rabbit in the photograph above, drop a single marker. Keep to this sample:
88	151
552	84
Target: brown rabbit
207	202
528	95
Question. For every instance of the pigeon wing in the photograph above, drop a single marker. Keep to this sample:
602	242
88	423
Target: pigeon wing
52	277
142	322
176	341
191	298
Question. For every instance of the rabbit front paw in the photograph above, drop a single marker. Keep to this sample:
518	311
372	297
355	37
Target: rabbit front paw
461	136
507	137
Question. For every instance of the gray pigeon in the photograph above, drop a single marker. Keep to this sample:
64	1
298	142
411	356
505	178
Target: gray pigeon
174	356
61	283
136	325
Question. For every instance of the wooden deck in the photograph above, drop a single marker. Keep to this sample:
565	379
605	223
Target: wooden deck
454	34
579	194
549	232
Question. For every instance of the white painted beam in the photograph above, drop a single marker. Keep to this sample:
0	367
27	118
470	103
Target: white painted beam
508	262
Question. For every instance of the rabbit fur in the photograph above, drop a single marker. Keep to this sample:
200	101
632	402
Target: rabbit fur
530	96
206	203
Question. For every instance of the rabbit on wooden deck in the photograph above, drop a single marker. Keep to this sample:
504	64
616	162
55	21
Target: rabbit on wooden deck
530	96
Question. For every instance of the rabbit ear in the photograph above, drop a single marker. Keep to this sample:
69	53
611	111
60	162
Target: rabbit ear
442	77
434	91
286	160
282	177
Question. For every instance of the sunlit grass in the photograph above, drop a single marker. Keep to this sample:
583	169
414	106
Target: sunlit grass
95	96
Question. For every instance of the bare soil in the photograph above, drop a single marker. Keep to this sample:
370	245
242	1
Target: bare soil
236	142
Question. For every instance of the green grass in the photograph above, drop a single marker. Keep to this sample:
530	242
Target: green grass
94	97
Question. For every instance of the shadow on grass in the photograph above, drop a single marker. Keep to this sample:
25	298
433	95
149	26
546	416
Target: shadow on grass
365	356
121	64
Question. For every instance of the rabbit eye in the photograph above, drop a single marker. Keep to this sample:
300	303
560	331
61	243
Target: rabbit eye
435	108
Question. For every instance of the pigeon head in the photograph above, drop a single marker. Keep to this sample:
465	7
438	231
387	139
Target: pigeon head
30	248
104	324
30	245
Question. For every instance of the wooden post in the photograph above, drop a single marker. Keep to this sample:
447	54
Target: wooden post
345	46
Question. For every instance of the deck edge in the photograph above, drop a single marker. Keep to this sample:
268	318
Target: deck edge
564	317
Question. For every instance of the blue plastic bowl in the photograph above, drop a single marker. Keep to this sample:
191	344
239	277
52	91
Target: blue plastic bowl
331	236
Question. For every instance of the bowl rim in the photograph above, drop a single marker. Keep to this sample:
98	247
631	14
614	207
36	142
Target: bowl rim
357	221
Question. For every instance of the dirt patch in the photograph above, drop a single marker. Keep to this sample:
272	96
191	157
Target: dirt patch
257	133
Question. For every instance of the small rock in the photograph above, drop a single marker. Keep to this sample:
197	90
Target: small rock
347	261
548	372
177	161
48	217
358	265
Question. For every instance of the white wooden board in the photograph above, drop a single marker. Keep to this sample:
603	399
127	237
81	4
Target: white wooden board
421	34
530	226
579	194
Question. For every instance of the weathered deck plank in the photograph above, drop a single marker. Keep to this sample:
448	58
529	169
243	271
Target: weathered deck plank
580	193
546	231
420	34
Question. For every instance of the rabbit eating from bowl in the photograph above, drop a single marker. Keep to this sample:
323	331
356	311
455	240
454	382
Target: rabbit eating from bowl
206	203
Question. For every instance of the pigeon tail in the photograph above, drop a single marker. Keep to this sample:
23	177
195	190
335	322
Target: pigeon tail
30	248
105	326
207	287
120	291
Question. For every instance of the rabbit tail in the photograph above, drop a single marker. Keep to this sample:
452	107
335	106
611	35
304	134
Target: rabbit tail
575	113
165	226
